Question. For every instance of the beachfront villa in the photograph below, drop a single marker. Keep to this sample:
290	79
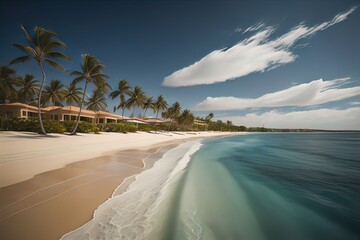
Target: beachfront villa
68	113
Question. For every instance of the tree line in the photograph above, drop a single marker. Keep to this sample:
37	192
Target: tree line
44	47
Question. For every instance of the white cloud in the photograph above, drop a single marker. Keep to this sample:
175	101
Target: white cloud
255	54
255	27
307	94
354	103
328	119
238	29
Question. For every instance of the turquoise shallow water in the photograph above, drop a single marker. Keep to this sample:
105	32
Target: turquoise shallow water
252	187
268	186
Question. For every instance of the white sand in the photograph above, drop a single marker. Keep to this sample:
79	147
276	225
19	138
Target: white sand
24	155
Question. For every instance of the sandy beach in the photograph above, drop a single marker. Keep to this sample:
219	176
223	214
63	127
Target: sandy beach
52	185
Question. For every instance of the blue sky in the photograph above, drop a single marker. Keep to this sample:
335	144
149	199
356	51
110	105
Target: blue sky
258	63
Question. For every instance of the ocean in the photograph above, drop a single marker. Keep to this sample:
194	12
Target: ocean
255	187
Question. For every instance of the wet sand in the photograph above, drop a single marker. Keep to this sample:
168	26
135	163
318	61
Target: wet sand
51	185
56	202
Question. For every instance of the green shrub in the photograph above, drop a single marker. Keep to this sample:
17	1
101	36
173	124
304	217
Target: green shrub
119	127
30	125
69	125
84	127
53	126
145	128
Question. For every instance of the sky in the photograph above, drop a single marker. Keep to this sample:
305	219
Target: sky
275	63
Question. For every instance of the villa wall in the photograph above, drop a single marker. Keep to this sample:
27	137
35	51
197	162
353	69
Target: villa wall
21	110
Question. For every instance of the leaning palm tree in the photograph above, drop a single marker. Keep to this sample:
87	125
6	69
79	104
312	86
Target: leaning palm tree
72	94
28	88
42	47
122	90
7	83
91	72
149	103
97	101
136	98
54	93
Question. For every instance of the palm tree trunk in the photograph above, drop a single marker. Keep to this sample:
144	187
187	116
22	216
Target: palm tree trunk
78	117
157	113
133	111
42	129
122	113
170	124
145	112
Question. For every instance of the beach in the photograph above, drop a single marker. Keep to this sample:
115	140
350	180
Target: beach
51	185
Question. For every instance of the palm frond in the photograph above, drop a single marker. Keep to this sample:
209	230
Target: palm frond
54	64
76	73
78	79
54	44
20	60
59	55
24	49
27	35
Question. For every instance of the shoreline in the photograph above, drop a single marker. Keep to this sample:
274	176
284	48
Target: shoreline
77	189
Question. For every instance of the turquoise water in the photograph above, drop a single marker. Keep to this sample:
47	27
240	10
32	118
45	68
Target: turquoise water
267	186
252	187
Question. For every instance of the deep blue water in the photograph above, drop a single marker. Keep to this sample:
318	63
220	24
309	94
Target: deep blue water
270	186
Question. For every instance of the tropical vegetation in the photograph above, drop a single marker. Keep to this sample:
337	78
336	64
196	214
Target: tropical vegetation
42	47
88	89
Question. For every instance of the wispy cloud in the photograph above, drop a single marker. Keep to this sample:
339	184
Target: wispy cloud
238	29
255	27
307	94
329	119
255	54
354	103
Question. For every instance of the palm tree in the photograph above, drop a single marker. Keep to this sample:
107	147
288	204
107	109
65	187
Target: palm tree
174	113
102	85
72	94
186	118
122	90
29	88
149	103
123	104
160	105
136	98
7	83
91	72
97	101
209	117
54	93
42	48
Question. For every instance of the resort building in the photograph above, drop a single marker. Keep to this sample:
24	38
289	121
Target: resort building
70	113
19	110
24	111
201	124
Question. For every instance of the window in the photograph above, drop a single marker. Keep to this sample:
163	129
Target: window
24	113
32	115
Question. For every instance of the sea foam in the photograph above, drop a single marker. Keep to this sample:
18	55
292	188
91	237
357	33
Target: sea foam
134	214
